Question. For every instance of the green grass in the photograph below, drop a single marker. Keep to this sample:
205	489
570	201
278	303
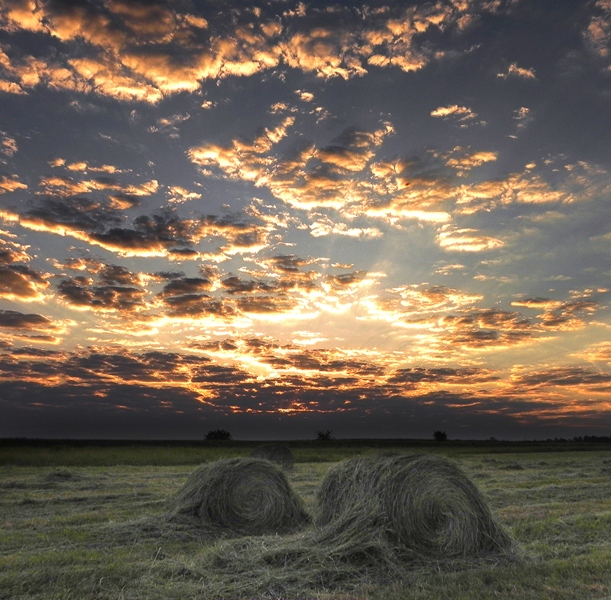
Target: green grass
70	453
70	530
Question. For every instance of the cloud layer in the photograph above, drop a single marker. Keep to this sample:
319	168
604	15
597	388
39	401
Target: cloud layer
382	219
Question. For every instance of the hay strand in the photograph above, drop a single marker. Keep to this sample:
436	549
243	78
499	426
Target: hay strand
240	496
426	506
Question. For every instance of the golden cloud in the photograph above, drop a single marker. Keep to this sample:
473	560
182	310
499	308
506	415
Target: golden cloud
8	145
10	184
461	112
598	32
466	240
20	283
143	52
514	71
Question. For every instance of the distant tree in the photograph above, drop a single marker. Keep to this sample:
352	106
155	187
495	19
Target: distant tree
218	434
440	436
324	436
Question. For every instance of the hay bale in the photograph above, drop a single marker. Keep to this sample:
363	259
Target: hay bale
426	506
277	453
242	496
60	475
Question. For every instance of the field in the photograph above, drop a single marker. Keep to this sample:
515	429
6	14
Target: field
80	523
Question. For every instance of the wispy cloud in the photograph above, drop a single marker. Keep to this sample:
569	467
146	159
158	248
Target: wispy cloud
513	70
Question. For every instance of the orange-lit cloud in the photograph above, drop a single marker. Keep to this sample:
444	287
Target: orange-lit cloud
514	71
299	209
463	161
336	176
10	184
144	52
600	352
461	113
466	240
68	186
178	195
320	382
597	34
12	251
20	282
564	377
106	295
8	145
32	327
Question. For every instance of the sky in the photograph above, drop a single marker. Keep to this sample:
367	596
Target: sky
276	217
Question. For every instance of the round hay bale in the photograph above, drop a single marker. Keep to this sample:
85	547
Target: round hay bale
243	496
277	453
60	474
425	504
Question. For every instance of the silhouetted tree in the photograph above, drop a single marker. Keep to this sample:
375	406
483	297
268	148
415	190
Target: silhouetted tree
440	436
218	434
324	436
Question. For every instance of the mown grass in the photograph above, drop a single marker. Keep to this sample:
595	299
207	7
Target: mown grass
72	532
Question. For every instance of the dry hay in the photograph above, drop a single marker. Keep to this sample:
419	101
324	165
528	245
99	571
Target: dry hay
277	453
379	520
426	507
239	496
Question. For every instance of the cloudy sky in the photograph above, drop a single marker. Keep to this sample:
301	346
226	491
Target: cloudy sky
276	217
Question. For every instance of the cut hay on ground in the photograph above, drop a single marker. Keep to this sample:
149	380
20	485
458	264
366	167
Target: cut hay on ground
378	520
425	506
239	496
277	453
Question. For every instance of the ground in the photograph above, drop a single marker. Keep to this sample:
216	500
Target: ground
72	526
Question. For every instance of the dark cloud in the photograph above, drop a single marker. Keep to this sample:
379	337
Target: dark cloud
114	274
571	376
180	286
196	305
346	279
82	292
167	233
12	253
569	315
19	281
292	277
12	319
145	51
558	315
123	201
338	205
158	386
322	362
167	275
288	263
8	256
465	376
489	338
489	328
100	221
235	285
76	213
36	352
156	234
225	345
266	304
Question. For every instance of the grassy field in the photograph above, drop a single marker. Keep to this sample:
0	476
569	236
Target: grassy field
79	523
